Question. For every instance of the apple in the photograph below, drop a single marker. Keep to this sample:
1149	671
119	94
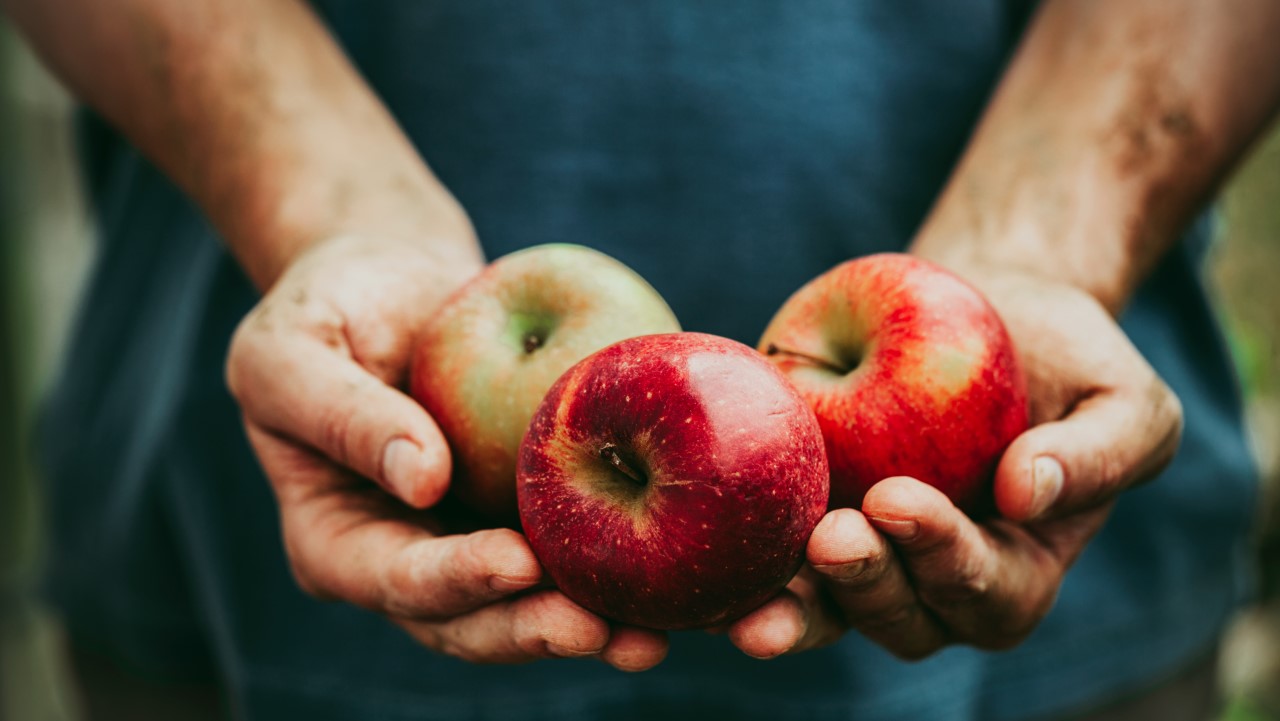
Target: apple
672	481
484	362
910	372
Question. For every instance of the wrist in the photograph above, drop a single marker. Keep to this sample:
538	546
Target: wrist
1099	146
433	265
1069	219
395	211
1108	276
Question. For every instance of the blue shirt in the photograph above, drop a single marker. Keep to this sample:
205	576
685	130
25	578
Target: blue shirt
729	152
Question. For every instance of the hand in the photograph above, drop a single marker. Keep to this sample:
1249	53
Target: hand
915	574
317	367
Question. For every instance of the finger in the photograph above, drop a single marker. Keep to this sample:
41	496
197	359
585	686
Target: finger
773	629
1107	443
988	586
634	649
824	621
545	624
302	388
347	540
864	578
441	577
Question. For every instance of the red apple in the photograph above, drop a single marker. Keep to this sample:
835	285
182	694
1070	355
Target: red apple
488	357
910	372
672	481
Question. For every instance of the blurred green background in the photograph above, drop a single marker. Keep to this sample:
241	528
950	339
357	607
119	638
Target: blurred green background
45	250
1244	270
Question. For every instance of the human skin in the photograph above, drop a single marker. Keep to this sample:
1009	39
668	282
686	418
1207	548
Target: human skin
1112	126
251	109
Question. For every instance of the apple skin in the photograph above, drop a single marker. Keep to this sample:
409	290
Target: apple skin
484	362
910	372
732	481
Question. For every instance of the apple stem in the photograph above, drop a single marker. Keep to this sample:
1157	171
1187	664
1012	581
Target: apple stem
532	342
773	349
610	454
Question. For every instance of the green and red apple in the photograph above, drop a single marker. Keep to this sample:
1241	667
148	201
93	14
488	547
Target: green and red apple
910	372
672	481
488	357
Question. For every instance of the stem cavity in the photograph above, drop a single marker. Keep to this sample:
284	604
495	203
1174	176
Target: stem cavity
609	453
772	349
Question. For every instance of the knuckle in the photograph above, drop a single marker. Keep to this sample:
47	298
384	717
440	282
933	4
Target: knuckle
239	354
899	631
450	646
305	577
969	585
314	569
310	586
455	639
1171	405
490	551
541	613
859	576
480	545
1006	628
468	562
526	627
1110	472
432	637
317	317
461	573
1170	410
829	632
1165	408
401	586
889	619
335	433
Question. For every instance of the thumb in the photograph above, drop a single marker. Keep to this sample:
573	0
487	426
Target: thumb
1108	442
300	388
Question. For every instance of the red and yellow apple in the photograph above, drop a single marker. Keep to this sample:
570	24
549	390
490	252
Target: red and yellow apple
488	357
672	481
909	370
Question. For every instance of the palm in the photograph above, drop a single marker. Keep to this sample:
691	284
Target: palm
915	574
317	368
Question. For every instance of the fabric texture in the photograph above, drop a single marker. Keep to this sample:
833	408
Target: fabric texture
728	152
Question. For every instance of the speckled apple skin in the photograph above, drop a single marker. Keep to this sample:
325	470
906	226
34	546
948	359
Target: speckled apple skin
737	481
474	377
937	393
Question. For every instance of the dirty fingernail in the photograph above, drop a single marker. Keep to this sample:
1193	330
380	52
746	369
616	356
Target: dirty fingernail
896	528
843	571
558	650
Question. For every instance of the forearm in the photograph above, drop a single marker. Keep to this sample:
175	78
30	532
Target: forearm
1113	125
254	111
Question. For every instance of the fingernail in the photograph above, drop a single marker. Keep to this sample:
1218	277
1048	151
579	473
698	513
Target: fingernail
401	462
843	571
796	633
503	584
896	528
558	650
1046	484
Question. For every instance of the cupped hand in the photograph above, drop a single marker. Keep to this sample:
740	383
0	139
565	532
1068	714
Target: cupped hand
317	368
915	574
